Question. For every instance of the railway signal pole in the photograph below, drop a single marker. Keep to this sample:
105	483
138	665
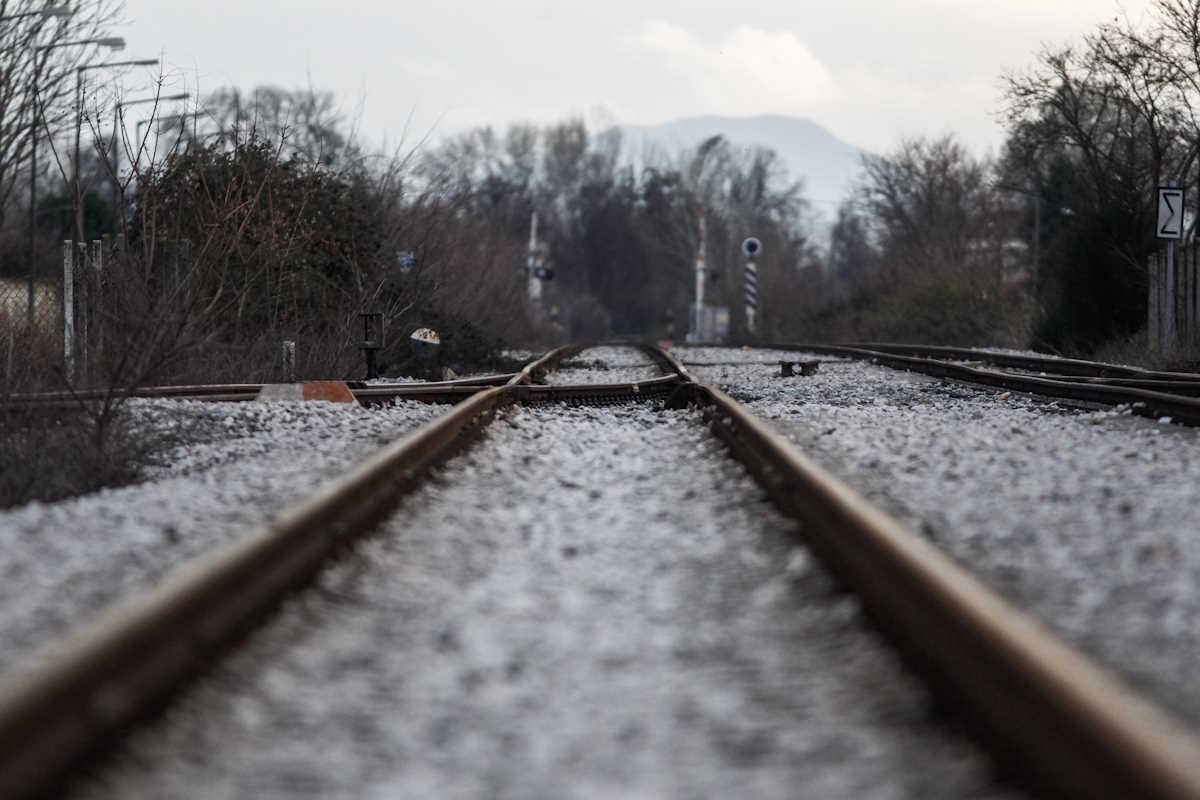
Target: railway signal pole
751	248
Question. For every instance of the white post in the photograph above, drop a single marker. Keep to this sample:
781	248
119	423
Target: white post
69	309
1189	258
698	331
1154	303
1169	311
535	283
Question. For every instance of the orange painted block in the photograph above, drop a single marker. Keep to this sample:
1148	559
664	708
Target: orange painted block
331	391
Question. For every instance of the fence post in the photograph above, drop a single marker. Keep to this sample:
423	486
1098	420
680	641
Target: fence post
69	309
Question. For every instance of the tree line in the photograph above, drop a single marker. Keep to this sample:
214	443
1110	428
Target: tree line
259	217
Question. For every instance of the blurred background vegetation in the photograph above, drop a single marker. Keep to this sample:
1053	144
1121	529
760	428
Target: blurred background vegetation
258	217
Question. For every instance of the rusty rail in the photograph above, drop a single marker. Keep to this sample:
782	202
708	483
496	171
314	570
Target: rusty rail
1073	367
1154	398
366	394
1060	720
1068	725
117	669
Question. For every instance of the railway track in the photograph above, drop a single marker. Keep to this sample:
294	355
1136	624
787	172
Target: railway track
1154	395
1061	721
366	394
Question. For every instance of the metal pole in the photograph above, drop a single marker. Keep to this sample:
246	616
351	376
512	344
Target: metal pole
1191	254
1169	310
1037	242
698	312
98	303
751	295
69	309
32	199
1153	307
535	284
78	131
116	150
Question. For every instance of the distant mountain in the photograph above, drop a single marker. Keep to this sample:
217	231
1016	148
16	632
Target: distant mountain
826	164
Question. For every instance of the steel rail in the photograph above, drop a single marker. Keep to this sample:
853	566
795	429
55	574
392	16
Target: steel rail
535	370
1057	718
242	391
82	691
1142	402
1073	367
450	391
1067	723
1190	388
1145	402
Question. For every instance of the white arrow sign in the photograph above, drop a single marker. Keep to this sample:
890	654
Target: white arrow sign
1170	213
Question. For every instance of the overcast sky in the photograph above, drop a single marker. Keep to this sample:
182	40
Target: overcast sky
869	71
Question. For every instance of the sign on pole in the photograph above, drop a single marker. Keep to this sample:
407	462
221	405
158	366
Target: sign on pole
1170	227
1170	213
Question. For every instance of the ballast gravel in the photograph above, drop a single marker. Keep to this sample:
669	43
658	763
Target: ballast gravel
233	467
1086	519
609	364
590	603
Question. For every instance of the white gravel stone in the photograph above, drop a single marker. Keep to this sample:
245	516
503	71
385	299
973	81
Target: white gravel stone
604	365
1086	519
590	603
234	467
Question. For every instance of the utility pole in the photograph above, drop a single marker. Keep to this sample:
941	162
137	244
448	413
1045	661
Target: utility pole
698	327
1037	243
535	283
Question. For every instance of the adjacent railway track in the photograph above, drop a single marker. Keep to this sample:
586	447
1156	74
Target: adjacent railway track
1149	394
366	394
1062	722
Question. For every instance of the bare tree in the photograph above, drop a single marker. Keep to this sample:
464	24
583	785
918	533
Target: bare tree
36	74
309	122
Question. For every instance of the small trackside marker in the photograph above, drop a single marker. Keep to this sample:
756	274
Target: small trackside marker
329	391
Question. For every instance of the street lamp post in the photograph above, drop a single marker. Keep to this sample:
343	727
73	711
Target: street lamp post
144	62
44	13
117	123
112	42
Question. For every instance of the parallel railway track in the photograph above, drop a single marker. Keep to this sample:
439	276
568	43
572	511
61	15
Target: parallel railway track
366	394
1066	725
1149	394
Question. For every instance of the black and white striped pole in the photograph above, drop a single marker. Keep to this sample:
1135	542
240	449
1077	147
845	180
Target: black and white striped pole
751	248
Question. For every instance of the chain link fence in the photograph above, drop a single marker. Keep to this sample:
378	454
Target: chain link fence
17	310
48	326
30	332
